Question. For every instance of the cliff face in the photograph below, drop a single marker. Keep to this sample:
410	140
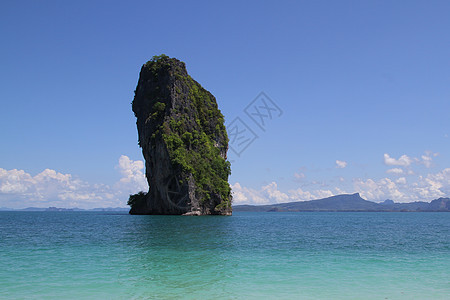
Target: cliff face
184	143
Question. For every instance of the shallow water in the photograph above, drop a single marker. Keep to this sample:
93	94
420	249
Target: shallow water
94	255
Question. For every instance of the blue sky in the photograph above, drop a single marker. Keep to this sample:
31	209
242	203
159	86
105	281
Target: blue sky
364	87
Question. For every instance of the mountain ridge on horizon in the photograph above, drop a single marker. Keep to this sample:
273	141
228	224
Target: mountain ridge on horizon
60	209
348	202
343	202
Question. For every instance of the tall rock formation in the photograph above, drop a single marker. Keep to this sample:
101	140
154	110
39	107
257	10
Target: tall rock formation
184	143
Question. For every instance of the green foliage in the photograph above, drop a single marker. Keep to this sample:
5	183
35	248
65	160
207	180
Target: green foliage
158	111
187	139
160	62
193	132
194	151
156	58
209	169
159	107
137	200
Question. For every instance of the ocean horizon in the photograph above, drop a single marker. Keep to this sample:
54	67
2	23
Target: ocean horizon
314	255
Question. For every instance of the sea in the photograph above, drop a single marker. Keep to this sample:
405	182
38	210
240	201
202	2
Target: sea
301	255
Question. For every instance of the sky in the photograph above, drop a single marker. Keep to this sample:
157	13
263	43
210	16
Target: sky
334	96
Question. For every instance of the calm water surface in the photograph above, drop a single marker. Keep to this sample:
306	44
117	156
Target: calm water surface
97	255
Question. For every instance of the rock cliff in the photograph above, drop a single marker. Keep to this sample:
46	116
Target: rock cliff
184	143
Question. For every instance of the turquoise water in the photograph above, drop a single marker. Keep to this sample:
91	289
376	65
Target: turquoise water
97	255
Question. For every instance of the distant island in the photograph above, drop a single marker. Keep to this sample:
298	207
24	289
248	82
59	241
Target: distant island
116	209
339	203
349	203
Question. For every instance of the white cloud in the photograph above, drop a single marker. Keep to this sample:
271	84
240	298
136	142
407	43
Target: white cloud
133	176
403	161
418	188
377	190
302	195
422	188
405	187
19	189
434	185
406	161
270	194
273	194
243	195
14	181
427	158
427	161
299	176
239	196
341	164
401	180
267	194
396	171
339	191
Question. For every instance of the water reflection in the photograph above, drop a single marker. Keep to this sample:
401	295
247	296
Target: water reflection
176	255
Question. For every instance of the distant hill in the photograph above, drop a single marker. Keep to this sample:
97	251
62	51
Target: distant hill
348	202
66	209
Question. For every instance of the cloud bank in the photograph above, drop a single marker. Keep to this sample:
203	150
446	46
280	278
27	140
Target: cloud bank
19	189
401	185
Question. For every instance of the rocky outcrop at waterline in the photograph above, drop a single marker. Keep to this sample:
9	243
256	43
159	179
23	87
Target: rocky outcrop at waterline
184	143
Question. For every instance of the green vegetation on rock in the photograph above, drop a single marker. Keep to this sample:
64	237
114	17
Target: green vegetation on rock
136	199
193	150
182	115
